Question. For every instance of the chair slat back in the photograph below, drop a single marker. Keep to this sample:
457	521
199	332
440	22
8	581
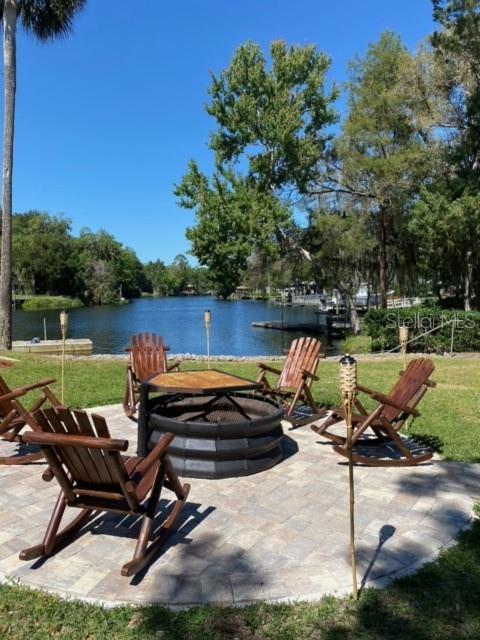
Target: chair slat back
94	470
410	387
304	354
147	355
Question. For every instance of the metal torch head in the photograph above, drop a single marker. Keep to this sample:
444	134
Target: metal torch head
207	318
63	322
348	375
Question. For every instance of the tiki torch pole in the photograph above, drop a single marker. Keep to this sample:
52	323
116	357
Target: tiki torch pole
63	329
207	318
348	391
403	337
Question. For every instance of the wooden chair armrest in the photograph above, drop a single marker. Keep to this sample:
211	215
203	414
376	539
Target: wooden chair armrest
157	452
64	440
172	366
380	397
366	390
21	391
309	374
267	367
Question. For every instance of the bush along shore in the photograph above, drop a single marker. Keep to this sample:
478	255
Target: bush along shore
38	303
430	330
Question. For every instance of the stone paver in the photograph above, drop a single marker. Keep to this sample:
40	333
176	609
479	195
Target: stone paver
280	535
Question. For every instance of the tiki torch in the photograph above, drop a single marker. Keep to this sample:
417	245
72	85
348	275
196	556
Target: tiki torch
403	337
207	318
348	391
63	329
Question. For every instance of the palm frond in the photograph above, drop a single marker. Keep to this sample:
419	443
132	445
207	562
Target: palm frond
48	18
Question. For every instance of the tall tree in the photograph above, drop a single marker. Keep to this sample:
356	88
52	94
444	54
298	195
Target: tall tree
379	160
342	247
44	19
457	47
445	217
272	121
44	259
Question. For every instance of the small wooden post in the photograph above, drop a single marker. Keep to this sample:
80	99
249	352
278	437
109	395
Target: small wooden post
403	337
451	337
63	329
348	392
207	318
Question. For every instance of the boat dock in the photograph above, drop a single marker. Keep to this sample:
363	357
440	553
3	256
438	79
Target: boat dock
73	346
288	326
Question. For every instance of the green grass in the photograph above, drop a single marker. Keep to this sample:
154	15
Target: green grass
37	303
441	601
450	419
357	344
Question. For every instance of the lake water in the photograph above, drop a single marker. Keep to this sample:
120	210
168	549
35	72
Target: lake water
178	320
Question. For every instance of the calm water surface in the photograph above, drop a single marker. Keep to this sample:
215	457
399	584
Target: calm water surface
179	320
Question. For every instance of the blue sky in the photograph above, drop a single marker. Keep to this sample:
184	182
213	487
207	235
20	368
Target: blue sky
108	119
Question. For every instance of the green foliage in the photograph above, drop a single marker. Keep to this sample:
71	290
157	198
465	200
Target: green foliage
43	256
448	235
47	20
457	47
51	302
274	116
357	344
232	219
271	120
341	248
382	326
380	159
176	278
49	260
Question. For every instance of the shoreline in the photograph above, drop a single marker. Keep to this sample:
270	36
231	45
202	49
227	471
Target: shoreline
469	355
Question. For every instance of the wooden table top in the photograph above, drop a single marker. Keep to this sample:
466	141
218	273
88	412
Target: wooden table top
201	381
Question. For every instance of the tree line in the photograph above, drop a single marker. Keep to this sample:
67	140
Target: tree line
386	195
94	266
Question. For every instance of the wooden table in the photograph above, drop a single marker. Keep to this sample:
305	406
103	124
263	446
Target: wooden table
201	382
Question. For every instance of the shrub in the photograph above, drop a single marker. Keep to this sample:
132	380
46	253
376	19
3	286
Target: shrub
357	344
382	326
51	302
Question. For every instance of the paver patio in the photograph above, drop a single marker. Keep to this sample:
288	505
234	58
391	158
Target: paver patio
277	535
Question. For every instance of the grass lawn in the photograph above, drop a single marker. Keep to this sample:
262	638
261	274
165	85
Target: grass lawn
442	601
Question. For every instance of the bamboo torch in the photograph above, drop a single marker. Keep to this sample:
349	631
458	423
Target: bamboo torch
207	318
63	329
348	391
403	337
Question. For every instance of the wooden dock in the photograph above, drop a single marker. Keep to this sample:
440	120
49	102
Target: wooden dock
73	346
289	326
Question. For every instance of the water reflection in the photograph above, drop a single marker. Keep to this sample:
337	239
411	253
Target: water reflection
179	320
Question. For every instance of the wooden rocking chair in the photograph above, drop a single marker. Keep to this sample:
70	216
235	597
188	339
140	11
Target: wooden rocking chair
295	380
386	419
14	416
147	357
94	477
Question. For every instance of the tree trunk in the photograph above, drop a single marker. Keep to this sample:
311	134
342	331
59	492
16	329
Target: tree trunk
351	310
383	259
9	69
468	283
